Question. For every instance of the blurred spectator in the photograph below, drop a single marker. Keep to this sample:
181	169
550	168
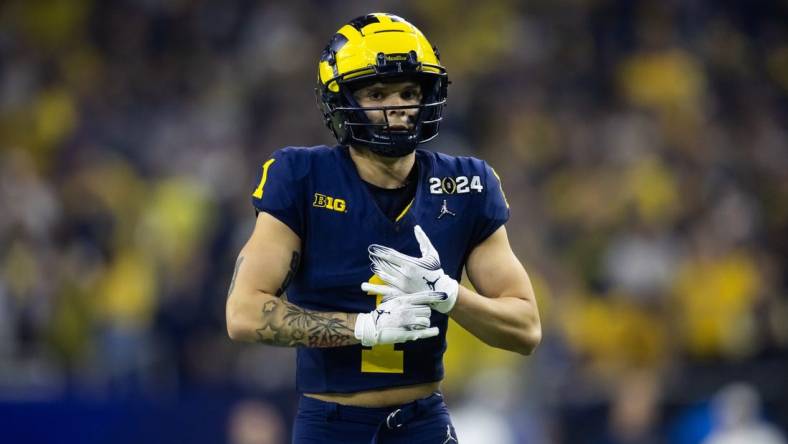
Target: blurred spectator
255	422
634	415
483	415
737	410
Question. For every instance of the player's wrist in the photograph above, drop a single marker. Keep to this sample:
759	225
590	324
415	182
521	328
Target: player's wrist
451	288
364	329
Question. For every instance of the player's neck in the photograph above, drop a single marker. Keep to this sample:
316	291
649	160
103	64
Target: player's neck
381	171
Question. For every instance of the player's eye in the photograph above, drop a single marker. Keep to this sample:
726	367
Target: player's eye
375	95
410	94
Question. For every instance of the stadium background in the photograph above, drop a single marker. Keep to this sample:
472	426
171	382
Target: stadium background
642	145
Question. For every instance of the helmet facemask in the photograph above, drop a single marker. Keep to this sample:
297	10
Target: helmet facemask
379	136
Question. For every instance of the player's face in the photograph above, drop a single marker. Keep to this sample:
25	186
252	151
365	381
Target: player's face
391	94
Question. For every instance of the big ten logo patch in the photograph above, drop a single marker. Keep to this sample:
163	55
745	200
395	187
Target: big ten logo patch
329	203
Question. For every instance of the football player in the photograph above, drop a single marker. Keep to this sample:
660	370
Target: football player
369	238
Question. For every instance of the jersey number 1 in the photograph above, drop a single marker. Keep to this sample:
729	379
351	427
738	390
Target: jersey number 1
381	358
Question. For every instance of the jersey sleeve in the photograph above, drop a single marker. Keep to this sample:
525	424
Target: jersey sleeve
494	208
278	189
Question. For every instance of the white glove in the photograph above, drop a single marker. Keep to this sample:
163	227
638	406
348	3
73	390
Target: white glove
407	274
406	318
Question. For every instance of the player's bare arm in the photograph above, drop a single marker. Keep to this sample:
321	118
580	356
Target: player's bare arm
503	313
255	310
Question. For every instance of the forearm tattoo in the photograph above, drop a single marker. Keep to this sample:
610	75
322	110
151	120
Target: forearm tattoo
289	325
290	273
285	324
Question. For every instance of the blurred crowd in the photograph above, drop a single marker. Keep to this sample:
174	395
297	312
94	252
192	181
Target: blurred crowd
642	145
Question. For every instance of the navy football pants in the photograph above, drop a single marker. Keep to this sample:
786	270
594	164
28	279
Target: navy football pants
424	421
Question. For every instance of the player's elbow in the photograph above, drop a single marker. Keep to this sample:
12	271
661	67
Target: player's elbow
237	326
233	331
529	339
233	328
239	331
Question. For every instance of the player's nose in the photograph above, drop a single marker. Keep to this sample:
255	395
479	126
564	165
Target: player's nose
396	102
399	113
408	108
400	119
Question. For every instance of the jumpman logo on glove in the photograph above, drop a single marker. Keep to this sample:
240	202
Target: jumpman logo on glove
430	284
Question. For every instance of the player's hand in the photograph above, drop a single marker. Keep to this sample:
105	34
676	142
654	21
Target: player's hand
406	318
409	274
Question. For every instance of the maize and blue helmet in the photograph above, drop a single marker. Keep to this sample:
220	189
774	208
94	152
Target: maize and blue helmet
380	47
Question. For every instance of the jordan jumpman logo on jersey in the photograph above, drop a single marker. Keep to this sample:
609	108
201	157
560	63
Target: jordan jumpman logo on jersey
445	210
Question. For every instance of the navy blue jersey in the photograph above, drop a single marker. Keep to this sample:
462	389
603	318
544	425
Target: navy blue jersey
318	193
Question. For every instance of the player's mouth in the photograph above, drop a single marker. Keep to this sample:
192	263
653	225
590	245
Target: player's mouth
398	128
